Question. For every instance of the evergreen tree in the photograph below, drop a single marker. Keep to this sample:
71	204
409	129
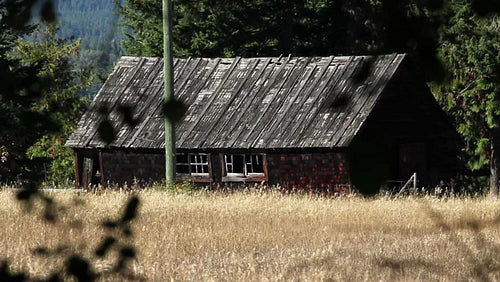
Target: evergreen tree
18	89
39	97
62	98
222	28
470	48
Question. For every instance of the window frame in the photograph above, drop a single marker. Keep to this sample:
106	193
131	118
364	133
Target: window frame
198	161
252	164
232	164
248	159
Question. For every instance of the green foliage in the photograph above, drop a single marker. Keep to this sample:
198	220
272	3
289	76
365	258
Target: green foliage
470	49
63	99
94	20
19	89
250	28
58	100
61	159
40	100
223	28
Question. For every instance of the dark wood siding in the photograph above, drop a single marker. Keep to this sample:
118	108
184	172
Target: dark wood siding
406	115
320	170
121	166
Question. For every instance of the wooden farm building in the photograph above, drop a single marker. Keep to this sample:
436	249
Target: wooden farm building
289	120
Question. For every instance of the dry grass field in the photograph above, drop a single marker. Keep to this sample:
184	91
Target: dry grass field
265	237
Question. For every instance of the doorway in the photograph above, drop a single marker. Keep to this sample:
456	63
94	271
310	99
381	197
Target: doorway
412	158
91	174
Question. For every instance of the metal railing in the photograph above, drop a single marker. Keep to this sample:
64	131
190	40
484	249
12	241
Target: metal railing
412	181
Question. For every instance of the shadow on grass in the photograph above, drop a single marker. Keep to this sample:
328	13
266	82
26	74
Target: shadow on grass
483	267
398	266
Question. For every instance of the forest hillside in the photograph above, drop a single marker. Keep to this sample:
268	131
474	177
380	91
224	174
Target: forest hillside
97	25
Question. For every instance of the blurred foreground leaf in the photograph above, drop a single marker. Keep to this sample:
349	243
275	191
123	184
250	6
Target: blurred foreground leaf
106	132
131	209
80	269
48	13
105	246
174	110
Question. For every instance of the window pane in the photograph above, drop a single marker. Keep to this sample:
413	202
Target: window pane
258	166
181	158
244	164
228	159
182	164
235	163
238	164
192	163
249	168
254	164
183	169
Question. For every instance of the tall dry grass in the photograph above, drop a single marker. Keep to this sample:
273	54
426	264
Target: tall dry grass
269	237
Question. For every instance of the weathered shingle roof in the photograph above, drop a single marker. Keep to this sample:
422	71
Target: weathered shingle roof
241	102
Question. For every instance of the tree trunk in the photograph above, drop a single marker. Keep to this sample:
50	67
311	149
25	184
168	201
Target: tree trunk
495	162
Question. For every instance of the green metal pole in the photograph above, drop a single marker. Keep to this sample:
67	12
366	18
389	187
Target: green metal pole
169	91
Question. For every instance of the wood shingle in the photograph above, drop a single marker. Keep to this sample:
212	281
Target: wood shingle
241	103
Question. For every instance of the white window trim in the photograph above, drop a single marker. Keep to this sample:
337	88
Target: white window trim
197	162
245	173
226	163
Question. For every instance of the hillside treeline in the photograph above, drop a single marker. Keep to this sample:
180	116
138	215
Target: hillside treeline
96	24
94	21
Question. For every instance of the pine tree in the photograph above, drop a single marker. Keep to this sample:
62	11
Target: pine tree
18	89
470	49
39	98
249	28
62	99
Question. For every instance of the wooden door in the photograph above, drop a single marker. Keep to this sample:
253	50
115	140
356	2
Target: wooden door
88	165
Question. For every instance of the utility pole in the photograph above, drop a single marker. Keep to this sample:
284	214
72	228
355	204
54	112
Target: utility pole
169	91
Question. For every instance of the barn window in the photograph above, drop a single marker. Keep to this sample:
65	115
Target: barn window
244	165
192	163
